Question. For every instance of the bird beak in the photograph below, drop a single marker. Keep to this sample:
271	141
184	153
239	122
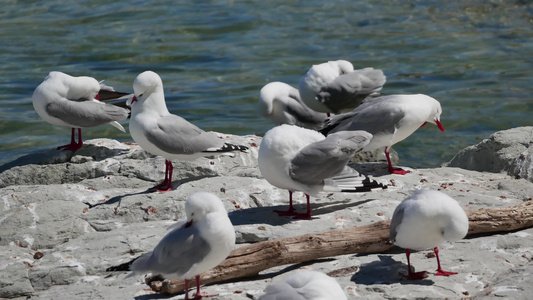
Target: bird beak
439	125
130	101
423	125
97	97
188	224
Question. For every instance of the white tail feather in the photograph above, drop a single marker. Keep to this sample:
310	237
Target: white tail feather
117	125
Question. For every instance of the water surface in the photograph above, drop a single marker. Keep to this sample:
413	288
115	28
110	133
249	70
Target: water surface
214	57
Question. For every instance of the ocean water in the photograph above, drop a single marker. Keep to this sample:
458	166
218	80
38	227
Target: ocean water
474	56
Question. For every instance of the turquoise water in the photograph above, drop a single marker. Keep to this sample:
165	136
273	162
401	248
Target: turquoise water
475	57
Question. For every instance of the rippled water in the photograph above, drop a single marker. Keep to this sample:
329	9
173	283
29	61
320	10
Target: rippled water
214	56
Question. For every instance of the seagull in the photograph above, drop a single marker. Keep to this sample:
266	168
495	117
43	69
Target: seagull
305	285
281	102
390	119
198	245
159	132
426	220
70	101
335	86
300	159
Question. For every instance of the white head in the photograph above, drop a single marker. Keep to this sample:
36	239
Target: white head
146	84
275	91
200	204
343	66
73	88
434	116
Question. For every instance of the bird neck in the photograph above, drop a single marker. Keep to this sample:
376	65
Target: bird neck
156	103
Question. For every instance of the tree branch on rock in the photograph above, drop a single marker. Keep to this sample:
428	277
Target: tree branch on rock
248	261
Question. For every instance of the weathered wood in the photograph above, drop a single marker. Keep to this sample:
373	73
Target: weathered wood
248	261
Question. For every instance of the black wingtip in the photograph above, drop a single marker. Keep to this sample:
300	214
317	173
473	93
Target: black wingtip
122	267
229	148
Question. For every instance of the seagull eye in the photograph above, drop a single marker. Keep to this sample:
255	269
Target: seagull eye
141	95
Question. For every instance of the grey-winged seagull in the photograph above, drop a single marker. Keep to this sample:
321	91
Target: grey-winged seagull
305	285
70	101
335	87
300	159
200	244
281	103
390	119
159	132
426	220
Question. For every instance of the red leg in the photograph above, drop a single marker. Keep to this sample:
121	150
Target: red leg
413	275
73	146
186	289
307	215
441	272
166	185
198	295
392	170
290	212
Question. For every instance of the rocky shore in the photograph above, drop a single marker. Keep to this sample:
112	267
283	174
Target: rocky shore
67	217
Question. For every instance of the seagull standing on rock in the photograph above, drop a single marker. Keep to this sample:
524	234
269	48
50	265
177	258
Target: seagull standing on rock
73	102
200	244
334	86
159	132
300	159
281	103
426	220
390	119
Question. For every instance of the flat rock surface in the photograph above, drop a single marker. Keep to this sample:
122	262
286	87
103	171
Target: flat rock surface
67	217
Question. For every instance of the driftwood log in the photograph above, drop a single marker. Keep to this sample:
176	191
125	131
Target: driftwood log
248	261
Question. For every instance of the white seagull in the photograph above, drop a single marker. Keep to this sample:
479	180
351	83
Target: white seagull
305	285
300	159
70	101
203	242
390	119
335	86
159	132
426	220
281	103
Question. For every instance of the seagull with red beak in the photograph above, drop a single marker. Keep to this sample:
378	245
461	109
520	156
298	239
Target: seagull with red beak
390	119
159	132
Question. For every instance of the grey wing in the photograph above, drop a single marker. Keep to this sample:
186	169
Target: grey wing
396	220
326	158
86	113
349	90
176	253
303	114
378	116
175	135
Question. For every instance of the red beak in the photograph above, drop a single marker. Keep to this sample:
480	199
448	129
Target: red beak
439	125
423	124
97	97
133	100
188	224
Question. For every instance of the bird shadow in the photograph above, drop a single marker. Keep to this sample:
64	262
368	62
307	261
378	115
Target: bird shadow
157	296
267	215
386	270
376	169
150	190
116	199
